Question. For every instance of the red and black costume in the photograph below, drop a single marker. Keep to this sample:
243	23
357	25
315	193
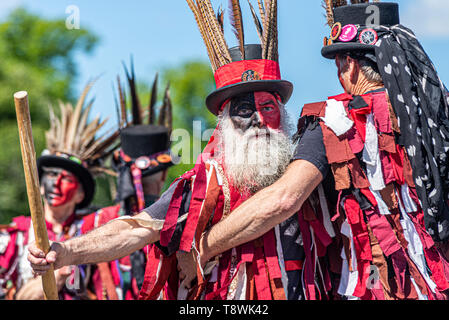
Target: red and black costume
204	196
384	222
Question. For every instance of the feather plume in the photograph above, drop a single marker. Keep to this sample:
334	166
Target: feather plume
117	107
220	18
237	24
73	125
135	106
211	30
339	3
166	114
200	22
261	11
71	133
165	111
270	43
153	98
257	22
124	120
327	4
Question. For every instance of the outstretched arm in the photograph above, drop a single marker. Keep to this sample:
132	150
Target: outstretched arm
112	241
263	211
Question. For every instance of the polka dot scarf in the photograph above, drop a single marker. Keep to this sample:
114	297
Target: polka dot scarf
420	102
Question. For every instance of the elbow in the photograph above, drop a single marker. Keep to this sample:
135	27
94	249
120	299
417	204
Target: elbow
288	204
283	203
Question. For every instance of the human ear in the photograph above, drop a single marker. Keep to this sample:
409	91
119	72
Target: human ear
353	70
79	196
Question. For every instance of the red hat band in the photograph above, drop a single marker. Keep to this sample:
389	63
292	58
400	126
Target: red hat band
247	70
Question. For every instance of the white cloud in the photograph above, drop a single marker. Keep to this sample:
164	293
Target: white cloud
427	18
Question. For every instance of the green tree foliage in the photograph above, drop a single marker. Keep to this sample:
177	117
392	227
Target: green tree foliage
190	84
37	55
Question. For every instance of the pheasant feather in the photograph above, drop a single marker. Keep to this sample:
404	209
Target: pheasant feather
237	24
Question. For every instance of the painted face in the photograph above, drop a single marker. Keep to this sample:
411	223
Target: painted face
255	109
60	186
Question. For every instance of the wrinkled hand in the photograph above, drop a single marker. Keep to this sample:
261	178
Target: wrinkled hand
61	276
41	263
187	268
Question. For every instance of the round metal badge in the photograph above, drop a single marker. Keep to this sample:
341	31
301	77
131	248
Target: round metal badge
348	33
336	31
368	37
143	163
164	158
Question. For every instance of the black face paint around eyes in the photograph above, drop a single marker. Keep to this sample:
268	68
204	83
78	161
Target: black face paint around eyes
49	182
243	110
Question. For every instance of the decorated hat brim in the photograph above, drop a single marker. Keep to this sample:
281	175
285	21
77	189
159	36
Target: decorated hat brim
159	168
332	50
216	99
83	175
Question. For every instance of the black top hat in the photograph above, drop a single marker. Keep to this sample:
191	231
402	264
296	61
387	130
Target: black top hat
74	166
147	146
245	68
257	75
353	28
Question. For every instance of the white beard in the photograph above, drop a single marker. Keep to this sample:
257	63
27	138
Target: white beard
256	158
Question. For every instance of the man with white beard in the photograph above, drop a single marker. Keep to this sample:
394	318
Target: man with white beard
254	157
249	150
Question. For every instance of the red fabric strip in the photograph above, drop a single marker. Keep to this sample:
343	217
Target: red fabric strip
172	215
309	265
361	243
293	265
198	196
150	274
261	277
381	112
269	245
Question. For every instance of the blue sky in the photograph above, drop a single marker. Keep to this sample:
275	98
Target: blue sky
163	33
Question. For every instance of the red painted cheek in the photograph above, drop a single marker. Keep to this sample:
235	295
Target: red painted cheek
67	185
269	113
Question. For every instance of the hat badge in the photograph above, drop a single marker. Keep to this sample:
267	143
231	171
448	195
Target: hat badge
348	33
368	36
250	75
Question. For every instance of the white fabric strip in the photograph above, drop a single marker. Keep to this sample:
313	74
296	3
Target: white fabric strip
371	156
281	259
415	247
409	204
240	291
420	295
325	209
336	118
349	279
383	208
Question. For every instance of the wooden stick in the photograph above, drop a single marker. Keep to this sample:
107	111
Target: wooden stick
32	184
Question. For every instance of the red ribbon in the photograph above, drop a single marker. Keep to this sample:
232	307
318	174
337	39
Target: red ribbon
247	70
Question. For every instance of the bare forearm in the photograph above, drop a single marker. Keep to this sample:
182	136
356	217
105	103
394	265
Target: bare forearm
112	241
263	211
32	290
